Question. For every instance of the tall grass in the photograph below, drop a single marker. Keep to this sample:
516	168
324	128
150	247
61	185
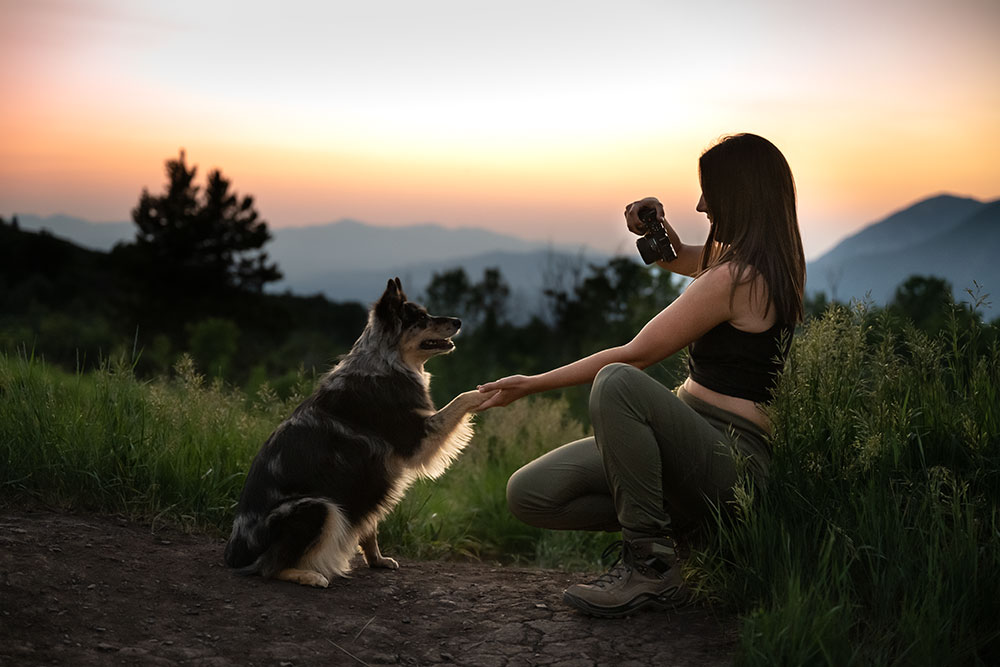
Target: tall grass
175	449
877	537
178	450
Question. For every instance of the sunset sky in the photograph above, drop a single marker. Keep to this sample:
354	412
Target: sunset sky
540	119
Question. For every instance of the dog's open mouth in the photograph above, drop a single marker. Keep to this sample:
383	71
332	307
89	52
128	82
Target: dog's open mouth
436	344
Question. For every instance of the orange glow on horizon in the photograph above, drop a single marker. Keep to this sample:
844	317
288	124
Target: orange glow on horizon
447	124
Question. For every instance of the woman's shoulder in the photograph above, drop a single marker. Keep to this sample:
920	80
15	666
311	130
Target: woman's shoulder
715	284
746	290
727	274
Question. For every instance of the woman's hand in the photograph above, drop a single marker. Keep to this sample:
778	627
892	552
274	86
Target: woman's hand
505	391
472	401
632	220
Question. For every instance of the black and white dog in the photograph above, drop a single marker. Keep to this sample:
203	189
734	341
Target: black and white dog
329	473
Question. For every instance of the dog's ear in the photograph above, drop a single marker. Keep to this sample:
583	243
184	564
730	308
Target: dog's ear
387	307
399	287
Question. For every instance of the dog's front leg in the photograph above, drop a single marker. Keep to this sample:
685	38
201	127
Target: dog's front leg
374	557
447	432
446	420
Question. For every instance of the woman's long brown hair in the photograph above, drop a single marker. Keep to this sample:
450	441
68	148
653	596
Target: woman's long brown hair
750	195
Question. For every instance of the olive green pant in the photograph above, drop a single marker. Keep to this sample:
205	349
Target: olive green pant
655	465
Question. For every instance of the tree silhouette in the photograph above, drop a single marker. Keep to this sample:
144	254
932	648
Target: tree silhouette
610	305
480	304
209	243
448	293
925	300
488	300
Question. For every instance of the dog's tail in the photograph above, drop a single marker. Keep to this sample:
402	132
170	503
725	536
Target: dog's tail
306	532
245	544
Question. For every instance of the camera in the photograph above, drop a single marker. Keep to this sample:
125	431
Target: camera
654	246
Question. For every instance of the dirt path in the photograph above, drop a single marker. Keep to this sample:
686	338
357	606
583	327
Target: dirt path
81	589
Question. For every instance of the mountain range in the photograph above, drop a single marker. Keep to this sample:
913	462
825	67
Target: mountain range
955	238
351	261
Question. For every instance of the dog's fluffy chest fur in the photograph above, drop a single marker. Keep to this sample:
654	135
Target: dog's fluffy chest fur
391	407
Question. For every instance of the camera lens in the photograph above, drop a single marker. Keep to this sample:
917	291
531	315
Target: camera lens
648	250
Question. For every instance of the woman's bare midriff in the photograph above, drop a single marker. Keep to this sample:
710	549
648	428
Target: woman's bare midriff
739	406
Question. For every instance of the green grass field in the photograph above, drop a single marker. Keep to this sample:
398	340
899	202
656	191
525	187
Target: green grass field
876	540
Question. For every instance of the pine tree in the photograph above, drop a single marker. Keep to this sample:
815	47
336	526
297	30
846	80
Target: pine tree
210	241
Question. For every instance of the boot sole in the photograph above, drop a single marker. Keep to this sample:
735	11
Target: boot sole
643	602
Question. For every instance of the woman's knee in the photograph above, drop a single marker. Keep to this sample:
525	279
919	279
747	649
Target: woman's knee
612	384
522	494
612	370
543	492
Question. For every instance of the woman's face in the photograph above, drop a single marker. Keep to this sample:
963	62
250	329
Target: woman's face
703	207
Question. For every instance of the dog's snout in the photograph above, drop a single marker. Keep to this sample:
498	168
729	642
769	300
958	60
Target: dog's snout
452	323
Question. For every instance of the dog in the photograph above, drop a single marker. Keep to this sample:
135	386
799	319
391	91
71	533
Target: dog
328	474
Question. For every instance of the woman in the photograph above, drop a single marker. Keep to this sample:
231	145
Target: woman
659	460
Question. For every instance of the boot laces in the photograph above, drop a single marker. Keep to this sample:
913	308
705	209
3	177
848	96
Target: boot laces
621	566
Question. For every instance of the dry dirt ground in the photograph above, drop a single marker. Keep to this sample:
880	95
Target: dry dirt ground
84	589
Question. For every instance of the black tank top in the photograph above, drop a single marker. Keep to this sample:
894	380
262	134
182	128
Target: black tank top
740	363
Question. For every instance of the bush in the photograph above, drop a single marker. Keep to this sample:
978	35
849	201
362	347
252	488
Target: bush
877	538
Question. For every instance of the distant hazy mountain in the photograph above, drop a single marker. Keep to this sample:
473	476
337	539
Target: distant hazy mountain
954	238
93	235
527	274
349	244
351	261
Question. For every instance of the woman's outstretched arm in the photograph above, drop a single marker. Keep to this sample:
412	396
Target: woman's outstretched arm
703	305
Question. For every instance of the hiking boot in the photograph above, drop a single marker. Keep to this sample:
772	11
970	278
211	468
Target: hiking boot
646	574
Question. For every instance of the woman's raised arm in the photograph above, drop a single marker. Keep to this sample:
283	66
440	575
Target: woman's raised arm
688	256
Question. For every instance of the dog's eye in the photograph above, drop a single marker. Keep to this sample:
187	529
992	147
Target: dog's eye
413	316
